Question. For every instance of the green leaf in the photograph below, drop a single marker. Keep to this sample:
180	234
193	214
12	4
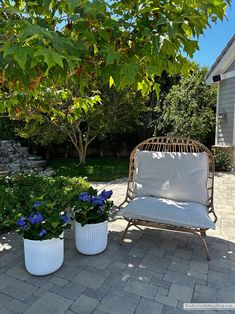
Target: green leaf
112	57
72	5
111	81
9	50
161	21
130	71
58	59
20	55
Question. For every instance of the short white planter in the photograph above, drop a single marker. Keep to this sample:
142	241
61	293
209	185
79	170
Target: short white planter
91	238
43	257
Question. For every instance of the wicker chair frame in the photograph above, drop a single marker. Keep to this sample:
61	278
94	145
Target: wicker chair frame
171	144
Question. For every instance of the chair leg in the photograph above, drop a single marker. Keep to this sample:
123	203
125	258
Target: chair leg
125	231
138	227
202	236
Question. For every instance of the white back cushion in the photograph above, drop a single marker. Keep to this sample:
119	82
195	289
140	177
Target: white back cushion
177	176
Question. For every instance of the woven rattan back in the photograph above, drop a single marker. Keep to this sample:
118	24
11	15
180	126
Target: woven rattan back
171	144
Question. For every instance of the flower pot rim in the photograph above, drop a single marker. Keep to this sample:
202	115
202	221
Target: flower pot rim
61	237
93	224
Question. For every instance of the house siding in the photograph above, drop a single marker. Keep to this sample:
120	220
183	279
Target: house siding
226	103
231	67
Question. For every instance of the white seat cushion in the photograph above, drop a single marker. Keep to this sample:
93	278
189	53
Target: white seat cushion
178	176
166	211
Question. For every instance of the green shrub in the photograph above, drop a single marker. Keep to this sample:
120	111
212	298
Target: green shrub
223	161
20	191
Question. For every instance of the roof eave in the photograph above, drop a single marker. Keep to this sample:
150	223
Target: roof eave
223	61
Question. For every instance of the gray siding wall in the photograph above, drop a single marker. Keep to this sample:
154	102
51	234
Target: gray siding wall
226	103
231	67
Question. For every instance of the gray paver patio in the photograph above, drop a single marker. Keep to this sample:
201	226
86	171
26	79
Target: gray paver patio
153	272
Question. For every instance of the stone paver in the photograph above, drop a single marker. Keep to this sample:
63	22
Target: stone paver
90	279
119	302
18	289
72	290
97	261
154	271
148	307
141	288
84	304
165	300
17	306
50	303
181	293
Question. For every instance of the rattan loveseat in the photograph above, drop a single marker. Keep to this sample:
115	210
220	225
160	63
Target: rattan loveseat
170	186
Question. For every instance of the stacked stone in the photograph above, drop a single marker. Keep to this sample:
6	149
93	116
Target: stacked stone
16	158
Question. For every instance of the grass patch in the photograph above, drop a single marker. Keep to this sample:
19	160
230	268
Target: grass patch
96	169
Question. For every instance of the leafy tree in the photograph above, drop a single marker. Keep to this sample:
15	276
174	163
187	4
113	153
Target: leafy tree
55	115
153	114
51	44
121	42
189	108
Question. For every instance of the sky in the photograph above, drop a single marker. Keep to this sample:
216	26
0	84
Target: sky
215	39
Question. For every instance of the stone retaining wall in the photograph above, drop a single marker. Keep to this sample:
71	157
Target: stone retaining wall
16	158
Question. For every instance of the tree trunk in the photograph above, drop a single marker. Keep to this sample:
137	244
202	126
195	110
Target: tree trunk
80	145
82	157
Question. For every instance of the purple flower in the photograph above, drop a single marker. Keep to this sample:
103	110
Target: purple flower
106	194
36	218
97	200
84	197
42	233
64	218
21	221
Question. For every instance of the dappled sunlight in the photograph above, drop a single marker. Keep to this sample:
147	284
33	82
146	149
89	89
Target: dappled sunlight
173	203
126	240
5	246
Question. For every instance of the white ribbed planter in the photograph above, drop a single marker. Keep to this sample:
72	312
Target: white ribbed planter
91	238
43	257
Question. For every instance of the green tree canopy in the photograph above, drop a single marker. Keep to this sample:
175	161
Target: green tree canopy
53	115
189	109
121	42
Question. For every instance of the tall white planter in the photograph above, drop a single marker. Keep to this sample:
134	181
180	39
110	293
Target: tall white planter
91	238
43	257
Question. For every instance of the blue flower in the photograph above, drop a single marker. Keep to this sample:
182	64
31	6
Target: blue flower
21	221
36	218
106	194
84	197
64	218
100	212
36	204
97	200
42	233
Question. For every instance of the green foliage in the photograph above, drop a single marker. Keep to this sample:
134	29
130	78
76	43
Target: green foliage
20	191
223	161
121	42
89	207
189	109
52	115
7	128
42	221
95	169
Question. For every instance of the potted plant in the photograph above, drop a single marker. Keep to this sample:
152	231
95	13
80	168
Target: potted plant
42	227
91	213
